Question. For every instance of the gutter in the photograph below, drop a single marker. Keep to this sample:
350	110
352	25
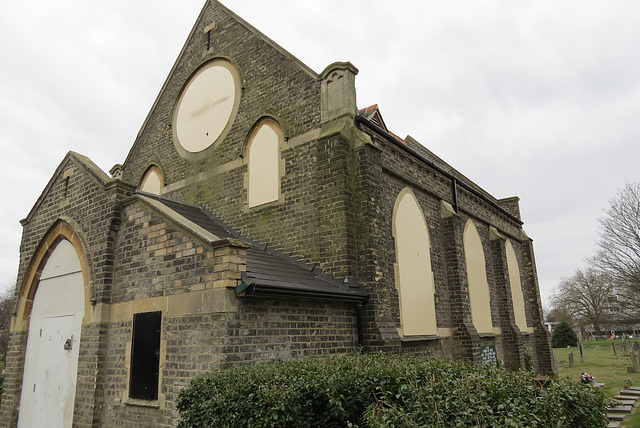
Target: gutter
454	181
255	290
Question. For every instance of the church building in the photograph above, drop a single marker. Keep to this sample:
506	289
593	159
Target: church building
259	215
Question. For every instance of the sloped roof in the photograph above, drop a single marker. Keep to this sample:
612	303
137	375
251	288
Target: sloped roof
270	272
372	118
372	115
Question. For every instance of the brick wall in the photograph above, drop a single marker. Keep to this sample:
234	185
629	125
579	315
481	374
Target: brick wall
84	198
340	181
160	267
397	169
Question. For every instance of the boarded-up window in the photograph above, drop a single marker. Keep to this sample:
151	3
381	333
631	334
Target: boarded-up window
152	181
516	288
414	278
145	356
264	163
479	294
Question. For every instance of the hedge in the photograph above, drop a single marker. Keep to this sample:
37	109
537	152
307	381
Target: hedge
382	390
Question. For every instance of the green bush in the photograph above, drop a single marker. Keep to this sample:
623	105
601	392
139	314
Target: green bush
384	391
563	336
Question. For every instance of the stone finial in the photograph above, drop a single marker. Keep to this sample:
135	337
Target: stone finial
338	91
116	171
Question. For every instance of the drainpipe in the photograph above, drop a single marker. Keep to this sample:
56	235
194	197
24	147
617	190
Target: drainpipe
360	322
454	193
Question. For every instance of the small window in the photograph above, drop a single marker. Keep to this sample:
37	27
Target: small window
264	163
145	356
152	181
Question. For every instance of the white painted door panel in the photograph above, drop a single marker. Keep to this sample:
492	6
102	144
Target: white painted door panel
47	398
50	367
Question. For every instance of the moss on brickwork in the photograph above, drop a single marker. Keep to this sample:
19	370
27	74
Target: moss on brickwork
340	176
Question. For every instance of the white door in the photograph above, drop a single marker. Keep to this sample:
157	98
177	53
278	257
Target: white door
51	360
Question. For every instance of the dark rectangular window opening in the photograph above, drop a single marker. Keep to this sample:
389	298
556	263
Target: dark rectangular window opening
145	356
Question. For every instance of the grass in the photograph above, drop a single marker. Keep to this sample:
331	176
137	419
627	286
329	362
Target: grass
601	363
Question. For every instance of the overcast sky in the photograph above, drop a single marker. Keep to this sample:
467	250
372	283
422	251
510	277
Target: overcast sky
536	99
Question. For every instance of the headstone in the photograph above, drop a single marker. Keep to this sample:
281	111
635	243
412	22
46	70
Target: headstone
620	409
616	416
630	393
580	345
571	359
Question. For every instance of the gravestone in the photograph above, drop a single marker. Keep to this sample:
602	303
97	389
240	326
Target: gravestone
635	359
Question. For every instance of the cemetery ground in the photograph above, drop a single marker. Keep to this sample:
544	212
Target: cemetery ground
605	367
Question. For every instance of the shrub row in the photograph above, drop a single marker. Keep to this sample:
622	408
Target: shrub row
384	391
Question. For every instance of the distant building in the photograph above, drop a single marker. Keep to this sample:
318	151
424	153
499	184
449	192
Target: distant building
258	215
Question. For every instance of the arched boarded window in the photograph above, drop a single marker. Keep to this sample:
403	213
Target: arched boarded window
477	276
152	181
263	150
52	353
414	278
516	288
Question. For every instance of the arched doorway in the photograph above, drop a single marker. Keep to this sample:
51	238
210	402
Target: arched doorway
51	359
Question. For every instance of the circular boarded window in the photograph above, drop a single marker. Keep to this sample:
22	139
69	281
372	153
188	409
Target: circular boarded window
206	107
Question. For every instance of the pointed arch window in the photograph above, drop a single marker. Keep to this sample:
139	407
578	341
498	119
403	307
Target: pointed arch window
263	158
152	181
479	294
517	297
413	274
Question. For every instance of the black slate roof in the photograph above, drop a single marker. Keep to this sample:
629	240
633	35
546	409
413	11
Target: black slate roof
270	272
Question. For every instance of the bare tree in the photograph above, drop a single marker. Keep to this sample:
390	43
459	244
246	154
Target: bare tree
586	297
6	307
619	243
558	315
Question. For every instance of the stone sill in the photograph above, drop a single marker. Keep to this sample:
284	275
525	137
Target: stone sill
487	335
419	338
142	403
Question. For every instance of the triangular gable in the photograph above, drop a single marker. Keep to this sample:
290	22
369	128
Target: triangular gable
372	114
195	32
84	163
